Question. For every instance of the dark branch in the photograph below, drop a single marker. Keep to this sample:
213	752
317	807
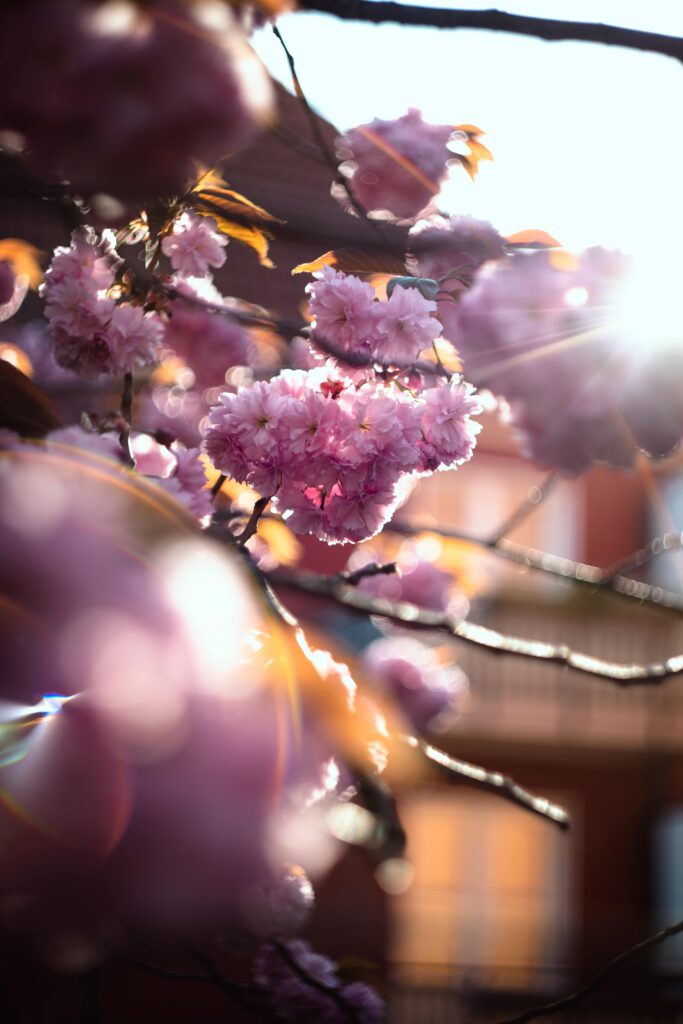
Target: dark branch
619	673
333	992
127	417
576	997
377	11
374	569
252	523
218	484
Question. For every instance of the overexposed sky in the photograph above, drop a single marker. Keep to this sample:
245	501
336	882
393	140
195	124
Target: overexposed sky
587	139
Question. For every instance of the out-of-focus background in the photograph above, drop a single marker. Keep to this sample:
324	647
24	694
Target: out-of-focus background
504	911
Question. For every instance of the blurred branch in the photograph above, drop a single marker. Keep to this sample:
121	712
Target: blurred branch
250	529
373	789
583	573
237	992
558	1005
377	11
665	544
127	417
491	782
327	154
619	673
535	495
374	569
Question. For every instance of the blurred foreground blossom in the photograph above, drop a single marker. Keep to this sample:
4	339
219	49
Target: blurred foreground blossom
574	347
125	97
408	674
396	165
149	795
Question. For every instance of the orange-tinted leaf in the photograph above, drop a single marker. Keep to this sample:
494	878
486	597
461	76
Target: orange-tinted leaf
469	129
532	239
24	259
477	151
24	408
227	201
354	261
560	259
253	237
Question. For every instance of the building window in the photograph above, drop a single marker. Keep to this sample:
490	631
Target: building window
489	904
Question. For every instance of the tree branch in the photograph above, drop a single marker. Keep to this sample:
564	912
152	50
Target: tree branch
352	579
534	497
582	573
576	997
662	545
328	156
378	11
620	673
491	782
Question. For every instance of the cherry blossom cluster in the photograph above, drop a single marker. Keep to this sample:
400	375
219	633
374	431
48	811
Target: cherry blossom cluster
118	98
348	316
194	244
93	333
331	452
151	783
396	165
554	338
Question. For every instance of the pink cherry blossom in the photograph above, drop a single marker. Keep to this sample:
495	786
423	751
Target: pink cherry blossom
553	341
446	421
405	325
407	671
134	337
396	165
194	245
343	308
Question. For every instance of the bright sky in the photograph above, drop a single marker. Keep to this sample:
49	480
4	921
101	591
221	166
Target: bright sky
587	139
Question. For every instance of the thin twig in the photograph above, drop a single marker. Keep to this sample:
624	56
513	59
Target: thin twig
662	545
534	497
377	11
619	673
333	992
127	417
218	484
374	569
569	569
252	523
168	973
576	997
491	782
321	142
235	991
